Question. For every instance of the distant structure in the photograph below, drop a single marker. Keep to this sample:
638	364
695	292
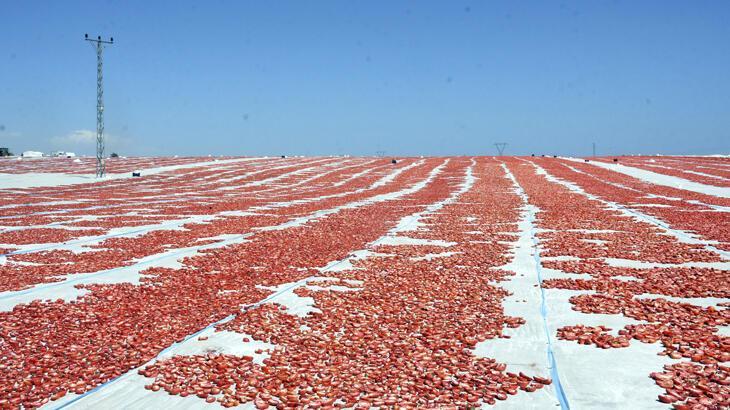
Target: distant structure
500	147
32	154
63	154
4	152
380	153
99	44
594	149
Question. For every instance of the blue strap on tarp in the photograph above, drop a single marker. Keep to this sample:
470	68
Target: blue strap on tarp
564	405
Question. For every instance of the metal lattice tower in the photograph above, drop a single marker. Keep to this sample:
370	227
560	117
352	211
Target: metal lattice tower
99	45
500	147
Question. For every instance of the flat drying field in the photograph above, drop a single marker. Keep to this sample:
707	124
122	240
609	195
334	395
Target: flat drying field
345	282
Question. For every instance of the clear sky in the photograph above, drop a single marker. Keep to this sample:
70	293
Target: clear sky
421	78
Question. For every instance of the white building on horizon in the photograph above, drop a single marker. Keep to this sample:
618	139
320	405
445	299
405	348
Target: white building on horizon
31	154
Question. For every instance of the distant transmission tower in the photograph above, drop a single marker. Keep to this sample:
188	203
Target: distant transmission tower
500	147
99	44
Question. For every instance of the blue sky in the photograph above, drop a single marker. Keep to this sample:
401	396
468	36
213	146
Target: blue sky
430	78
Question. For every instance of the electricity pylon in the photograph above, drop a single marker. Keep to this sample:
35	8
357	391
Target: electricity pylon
99	45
